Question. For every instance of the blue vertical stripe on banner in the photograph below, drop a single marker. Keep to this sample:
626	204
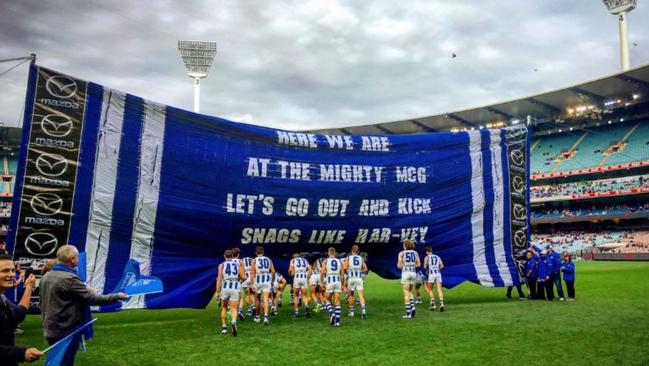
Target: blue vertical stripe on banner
22	157
488	213
126	187
507	207
86	168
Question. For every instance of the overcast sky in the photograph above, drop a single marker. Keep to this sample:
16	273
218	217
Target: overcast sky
322	63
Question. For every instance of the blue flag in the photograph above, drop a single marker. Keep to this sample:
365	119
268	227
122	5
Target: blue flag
133	283
62	353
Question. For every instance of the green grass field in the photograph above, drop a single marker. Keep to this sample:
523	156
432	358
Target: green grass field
607	325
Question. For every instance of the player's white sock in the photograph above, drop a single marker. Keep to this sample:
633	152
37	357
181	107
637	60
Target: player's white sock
337	313
408	308
363	309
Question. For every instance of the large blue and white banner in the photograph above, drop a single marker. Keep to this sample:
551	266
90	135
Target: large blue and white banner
124	178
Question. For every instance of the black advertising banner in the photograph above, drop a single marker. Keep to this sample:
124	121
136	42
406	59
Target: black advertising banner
518	168
51	166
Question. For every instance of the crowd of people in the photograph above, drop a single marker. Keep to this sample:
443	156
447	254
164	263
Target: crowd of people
254	284
611	241
541	270
590	211
589	187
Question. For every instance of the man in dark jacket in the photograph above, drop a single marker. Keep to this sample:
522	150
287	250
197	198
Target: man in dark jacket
11	315
64	297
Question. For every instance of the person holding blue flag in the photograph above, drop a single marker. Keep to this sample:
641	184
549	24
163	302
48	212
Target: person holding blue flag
555	274
63	298
531	272
11	315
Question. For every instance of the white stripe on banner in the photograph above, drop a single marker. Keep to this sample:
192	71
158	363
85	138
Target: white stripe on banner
477	217
499	215
146	205
103	190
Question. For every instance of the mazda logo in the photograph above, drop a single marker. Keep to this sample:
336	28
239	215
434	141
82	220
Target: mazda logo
51	165
519	212
56	125
46	204
520	238
61	86
518	184
517	157
41	244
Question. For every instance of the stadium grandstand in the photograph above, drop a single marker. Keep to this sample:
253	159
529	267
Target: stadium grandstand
9	143
589	160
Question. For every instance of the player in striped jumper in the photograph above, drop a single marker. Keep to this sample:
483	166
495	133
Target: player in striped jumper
408	263
315	283
262	276
279	284
433	266
354	266
242	299
228	290
249	296
332	274
299	268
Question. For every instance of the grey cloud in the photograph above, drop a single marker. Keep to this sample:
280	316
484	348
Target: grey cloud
311	64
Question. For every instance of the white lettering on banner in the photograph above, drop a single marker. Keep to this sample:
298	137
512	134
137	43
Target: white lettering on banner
378	235
332	207
245	203
297	139
250	235
49	182
54	143
294	170
411	174
374	143
257	167
374	208
297	207
417	206
340	142
416	234
350	173
44	221
327	236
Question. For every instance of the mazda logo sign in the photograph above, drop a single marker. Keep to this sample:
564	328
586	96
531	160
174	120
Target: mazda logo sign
517	157
520	238
56	125
61	86
41	244
46	204
51	165
519	212
518	184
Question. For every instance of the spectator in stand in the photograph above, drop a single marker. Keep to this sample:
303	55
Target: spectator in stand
11	315
531	272
3	247
568	269
555	272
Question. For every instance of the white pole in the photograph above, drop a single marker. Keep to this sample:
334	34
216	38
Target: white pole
624	42
197	95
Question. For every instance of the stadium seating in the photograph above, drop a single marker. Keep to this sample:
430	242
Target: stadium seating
566	190
610	241
547	148
636	148
591	147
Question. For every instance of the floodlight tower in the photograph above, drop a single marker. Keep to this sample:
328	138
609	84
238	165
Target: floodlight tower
621	8
198	57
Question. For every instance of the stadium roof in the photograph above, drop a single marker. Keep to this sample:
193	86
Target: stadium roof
576	102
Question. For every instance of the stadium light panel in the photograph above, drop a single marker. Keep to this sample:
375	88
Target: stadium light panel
620	6
197	57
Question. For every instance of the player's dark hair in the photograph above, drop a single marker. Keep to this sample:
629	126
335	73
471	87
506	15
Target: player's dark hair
235	251
331	250
429	249
355	249
5	257
259	250
227	253
408	244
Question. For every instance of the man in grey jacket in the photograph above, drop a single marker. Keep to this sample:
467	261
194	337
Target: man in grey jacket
64	297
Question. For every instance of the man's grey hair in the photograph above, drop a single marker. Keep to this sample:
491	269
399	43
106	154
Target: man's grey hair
66	253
